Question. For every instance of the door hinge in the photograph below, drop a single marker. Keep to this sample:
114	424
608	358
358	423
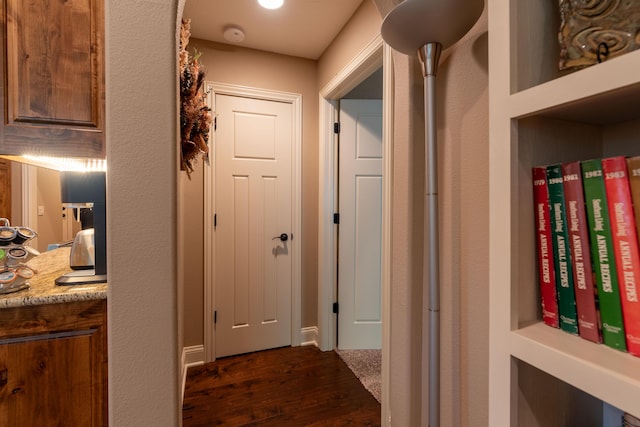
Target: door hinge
336	307
336	127
336	218
215	317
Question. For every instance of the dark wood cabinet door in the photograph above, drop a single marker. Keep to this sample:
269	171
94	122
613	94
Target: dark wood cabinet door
54	77
53	365
48	382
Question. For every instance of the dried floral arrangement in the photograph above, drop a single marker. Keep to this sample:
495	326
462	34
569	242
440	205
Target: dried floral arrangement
195	115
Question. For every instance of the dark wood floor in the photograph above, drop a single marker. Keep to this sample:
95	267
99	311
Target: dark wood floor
292	386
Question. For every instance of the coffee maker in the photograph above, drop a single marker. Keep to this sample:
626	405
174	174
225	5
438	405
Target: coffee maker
86	191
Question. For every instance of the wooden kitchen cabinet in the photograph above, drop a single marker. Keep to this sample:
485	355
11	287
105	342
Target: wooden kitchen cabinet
53	365
52	78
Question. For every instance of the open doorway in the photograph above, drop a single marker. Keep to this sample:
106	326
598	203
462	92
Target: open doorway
374	56
359	188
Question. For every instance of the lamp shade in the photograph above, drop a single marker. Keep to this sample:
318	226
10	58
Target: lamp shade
414	23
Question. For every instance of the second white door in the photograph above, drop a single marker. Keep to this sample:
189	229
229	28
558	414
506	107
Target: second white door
253	204
360	232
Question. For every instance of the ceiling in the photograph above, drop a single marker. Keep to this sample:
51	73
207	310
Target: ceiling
302	28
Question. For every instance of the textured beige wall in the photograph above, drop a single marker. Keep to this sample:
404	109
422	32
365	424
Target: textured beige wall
252	68
361	28
463	131
406	244
141	130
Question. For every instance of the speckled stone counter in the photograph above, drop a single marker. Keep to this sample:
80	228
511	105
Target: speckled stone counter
43	290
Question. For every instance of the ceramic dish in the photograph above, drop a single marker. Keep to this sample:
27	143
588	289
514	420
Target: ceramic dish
23	234
15	279
7	277
7	234
25	272
16	256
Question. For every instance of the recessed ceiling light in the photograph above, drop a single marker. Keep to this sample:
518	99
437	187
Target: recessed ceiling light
271	4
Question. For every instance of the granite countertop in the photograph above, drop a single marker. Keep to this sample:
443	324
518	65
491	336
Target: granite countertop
43	290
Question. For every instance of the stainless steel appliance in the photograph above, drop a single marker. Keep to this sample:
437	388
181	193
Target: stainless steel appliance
86	190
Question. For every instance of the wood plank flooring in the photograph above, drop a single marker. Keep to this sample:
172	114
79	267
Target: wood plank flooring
290	386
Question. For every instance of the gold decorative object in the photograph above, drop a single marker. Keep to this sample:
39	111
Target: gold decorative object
592	31
195	115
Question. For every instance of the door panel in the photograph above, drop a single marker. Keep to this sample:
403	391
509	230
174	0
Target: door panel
360	236
5	190
253	205
367	249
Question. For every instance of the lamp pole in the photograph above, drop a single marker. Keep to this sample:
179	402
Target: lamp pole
429	55
428	26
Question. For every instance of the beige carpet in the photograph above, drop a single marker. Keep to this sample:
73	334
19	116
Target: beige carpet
367	366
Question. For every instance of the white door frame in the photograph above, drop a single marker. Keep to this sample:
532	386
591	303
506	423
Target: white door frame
369	59
211	89
29	190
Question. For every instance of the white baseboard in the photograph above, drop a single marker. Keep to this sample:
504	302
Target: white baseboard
309	336
191	356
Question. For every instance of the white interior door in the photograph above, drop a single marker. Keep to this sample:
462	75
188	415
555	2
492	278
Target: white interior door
360	235
253	206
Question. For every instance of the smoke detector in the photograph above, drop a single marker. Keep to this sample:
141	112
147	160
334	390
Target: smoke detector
233	34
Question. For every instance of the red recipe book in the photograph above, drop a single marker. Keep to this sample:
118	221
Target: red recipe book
546	270
625	246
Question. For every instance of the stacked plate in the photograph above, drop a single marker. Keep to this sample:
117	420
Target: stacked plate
14	235
14	273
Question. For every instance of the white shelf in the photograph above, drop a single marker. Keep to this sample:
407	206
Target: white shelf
539	115
601	94
605	373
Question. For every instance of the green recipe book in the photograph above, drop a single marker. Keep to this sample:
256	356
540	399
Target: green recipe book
562	251
604	264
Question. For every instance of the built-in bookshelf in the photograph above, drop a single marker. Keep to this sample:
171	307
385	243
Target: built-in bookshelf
541	376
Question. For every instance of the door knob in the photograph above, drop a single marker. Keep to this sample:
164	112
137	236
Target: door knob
283	237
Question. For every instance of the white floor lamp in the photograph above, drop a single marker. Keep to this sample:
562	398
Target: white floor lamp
425	27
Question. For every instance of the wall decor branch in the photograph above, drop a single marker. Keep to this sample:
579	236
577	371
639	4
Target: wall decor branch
195	115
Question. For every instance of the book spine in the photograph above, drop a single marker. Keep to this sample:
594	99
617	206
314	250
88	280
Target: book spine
602	255
562	253
584	286
546	270
625	246
633	168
